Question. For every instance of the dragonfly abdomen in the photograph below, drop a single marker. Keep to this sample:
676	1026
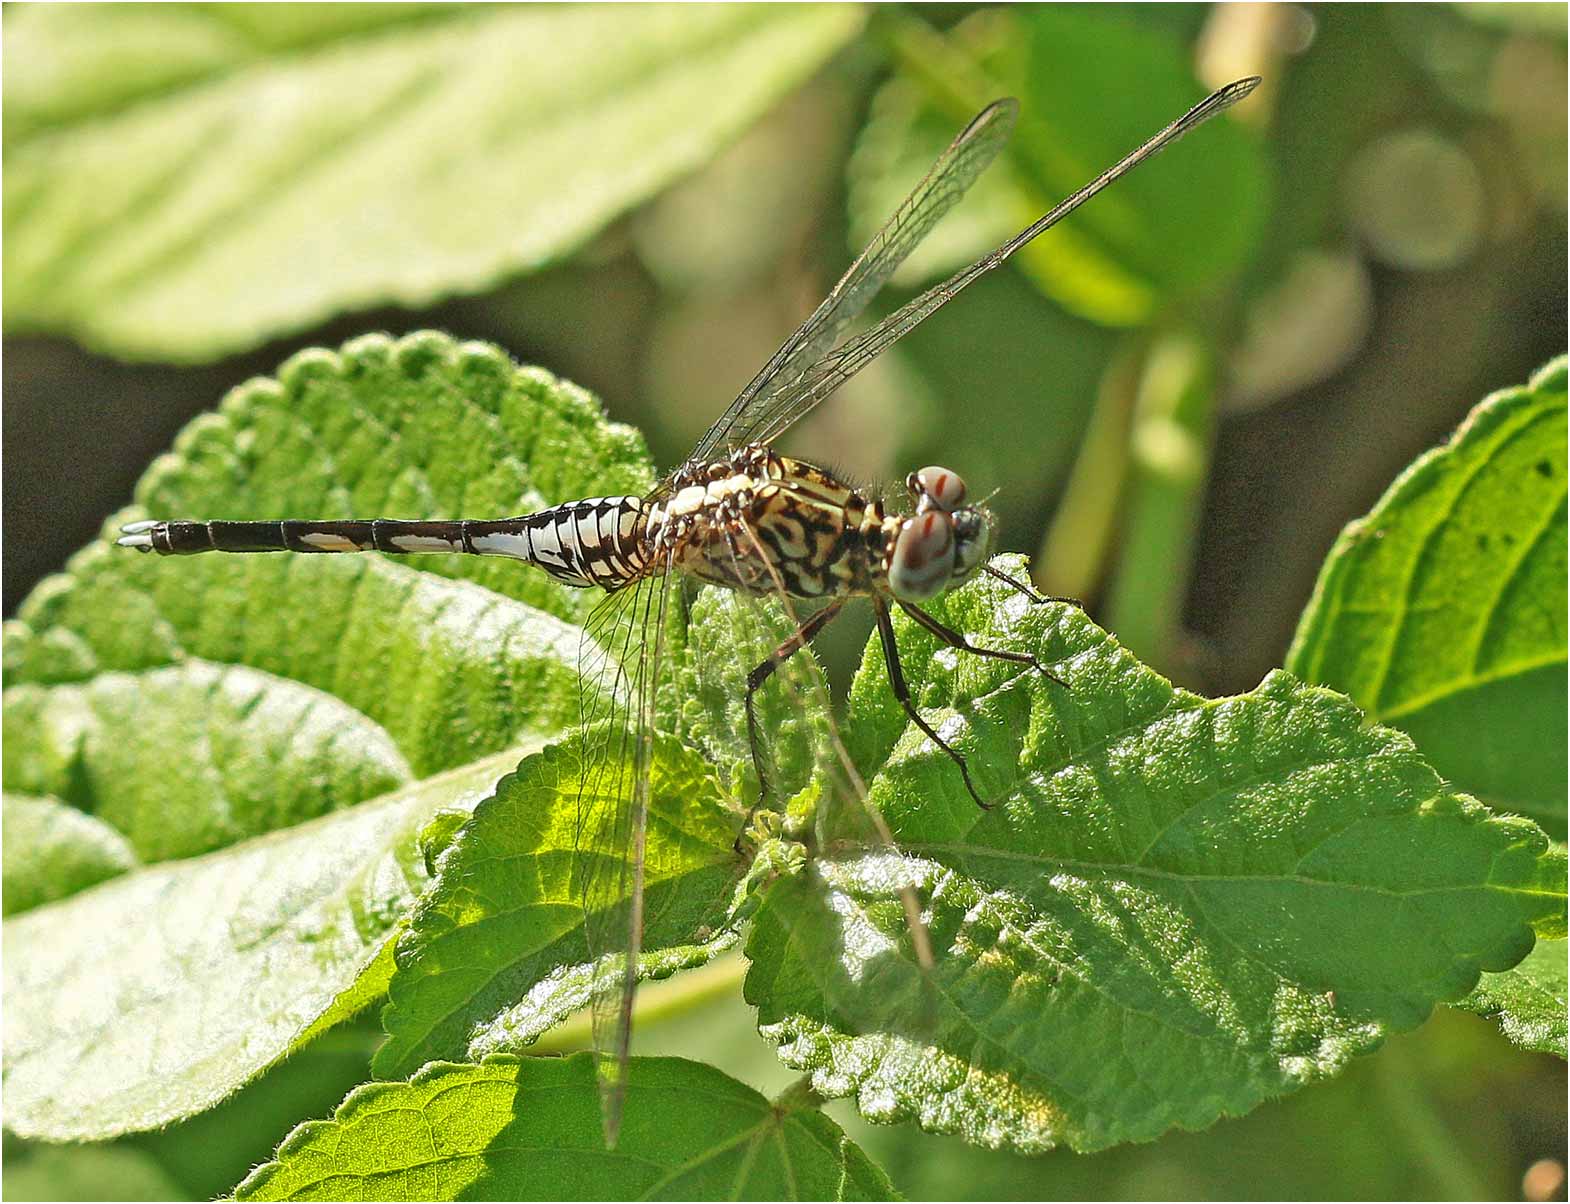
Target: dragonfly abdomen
595	541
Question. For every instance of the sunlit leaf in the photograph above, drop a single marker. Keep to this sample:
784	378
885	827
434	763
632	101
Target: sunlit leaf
454	657
195	702
1528	1000
186	979
181	183
511	1129
194	757
1442	611
1175	908
497	951
53	850
495	954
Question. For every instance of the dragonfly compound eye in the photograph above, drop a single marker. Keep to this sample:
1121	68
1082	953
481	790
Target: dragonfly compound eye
937	488
923	558
972	536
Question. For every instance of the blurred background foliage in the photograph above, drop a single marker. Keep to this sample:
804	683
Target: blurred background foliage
1181	395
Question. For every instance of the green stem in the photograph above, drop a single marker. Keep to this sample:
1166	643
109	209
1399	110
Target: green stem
949	77
1072	560
656	1001
1169	463
798	1096
1410	1109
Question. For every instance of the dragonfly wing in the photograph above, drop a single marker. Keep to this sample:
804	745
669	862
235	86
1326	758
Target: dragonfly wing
956	169
619	671
769	412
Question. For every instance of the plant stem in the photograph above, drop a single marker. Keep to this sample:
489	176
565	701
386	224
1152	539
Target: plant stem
1411	1110
1168	464
656	1001
1071	562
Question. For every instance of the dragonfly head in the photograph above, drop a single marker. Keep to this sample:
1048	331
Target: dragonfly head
943	543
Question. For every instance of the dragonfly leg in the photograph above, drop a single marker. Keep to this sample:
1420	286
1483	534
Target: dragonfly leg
802	637
880	611
1029	591
955	640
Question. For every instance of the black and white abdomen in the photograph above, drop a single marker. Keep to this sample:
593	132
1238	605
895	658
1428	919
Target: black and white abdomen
595	541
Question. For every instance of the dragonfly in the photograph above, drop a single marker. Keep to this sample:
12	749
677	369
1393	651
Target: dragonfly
738	515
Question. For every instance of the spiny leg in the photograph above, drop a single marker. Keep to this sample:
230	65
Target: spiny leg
921	941
1028	590
880	611
792	645
955	640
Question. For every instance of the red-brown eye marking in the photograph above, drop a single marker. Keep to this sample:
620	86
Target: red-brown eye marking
923	559
937	488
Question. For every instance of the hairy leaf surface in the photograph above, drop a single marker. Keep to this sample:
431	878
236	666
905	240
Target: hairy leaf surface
511	1129
194	757
186	979
53	850
1528	1000
1442	611
183	182
495	954
1175	908
192	703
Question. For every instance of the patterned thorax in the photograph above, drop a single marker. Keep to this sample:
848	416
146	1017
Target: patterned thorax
760	522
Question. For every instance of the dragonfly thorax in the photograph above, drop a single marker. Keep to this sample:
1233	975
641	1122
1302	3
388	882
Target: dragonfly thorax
764	523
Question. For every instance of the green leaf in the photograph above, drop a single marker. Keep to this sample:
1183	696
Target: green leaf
454	657
52	850
1529	1000
528	1129
1176	226
495	953
187	979
185	182
1442	611
1175	908
258	691
195	757
86	1173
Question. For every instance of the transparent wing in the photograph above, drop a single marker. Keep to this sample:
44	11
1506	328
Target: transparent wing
956	169
770	412
800	685
619	665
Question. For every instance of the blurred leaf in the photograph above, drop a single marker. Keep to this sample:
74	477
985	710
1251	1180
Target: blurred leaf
430	663
251	753
1548	19
187	979
1175	908
1012	362
61	69
1442	611
77	1173
1176	226
52	850
496	952
511	1129
1529	1001
272	170
212	1151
